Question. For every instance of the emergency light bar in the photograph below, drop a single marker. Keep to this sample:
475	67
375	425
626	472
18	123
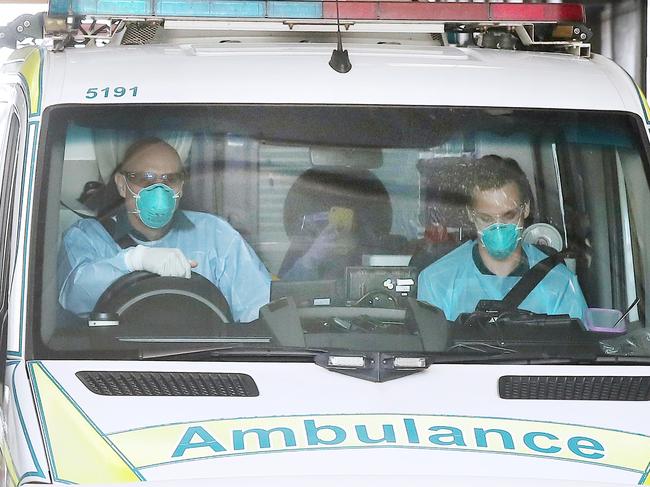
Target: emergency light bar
309	9
548	27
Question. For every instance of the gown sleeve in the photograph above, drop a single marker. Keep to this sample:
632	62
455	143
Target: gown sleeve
88	263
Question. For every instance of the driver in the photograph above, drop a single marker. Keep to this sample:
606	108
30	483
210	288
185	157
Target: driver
149	234
489	267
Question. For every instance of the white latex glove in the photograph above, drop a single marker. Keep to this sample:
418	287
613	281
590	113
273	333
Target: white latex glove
162	261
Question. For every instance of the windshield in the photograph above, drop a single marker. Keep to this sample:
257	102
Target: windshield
440	231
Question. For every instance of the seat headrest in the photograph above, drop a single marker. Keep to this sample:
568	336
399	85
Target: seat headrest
320	189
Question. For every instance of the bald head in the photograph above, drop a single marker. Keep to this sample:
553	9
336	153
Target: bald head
151	155
148	155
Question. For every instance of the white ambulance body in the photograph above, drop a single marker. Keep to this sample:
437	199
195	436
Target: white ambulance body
345	378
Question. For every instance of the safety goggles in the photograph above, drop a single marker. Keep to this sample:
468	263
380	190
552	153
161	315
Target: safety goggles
483	220
147	178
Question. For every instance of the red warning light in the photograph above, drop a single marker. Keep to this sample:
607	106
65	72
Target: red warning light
474	12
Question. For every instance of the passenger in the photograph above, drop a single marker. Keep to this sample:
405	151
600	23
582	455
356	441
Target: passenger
327	255
148	234
332	217
488	268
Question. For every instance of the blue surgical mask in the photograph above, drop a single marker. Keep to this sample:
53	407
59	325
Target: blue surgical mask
501	239
155	204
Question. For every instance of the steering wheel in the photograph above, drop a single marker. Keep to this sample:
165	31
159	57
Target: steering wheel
147	304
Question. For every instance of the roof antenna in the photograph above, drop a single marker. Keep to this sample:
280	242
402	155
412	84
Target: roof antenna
340	61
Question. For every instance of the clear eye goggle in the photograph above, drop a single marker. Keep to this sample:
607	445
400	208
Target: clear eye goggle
483	220
147	178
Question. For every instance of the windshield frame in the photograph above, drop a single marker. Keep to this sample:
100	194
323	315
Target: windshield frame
51	131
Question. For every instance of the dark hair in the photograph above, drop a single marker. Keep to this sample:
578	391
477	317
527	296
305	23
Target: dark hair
494	172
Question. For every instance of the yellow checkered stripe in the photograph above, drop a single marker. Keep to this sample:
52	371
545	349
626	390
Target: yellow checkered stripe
78	452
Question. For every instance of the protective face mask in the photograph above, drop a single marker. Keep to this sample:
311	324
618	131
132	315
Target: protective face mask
501	239
155	204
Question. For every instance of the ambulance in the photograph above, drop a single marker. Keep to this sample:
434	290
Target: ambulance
335	181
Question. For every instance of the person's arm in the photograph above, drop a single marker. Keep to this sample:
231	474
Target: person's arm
245	282
90	261
300	272
429	292
88	264
306	267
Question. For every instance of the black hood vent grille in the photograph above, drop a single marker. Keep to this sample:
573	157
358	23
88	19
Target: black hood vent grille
169	384
575	388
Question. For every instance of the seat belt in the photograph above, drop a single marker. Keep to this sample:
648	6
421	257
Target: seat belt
530	280
108	223
125	241
524	286
76	212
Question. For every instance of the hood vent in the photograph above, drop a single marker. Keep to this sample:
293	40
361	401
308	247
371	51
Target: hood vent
575	388
169	384
139	33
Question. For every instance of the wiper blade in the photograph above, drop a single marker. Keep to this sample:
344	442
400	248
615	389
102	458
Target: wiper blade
530	359
233	351
508	358
623	360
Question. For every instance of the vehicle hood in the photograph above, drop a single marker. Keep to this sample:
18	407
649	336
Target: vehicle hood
286	423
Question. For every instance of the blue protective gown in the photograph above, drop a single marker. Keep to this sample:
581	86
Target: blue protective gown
90	260
456	285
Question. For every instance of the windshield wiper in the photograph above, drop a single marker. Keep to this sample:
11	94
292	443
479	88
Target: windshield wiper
231	351
518	358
